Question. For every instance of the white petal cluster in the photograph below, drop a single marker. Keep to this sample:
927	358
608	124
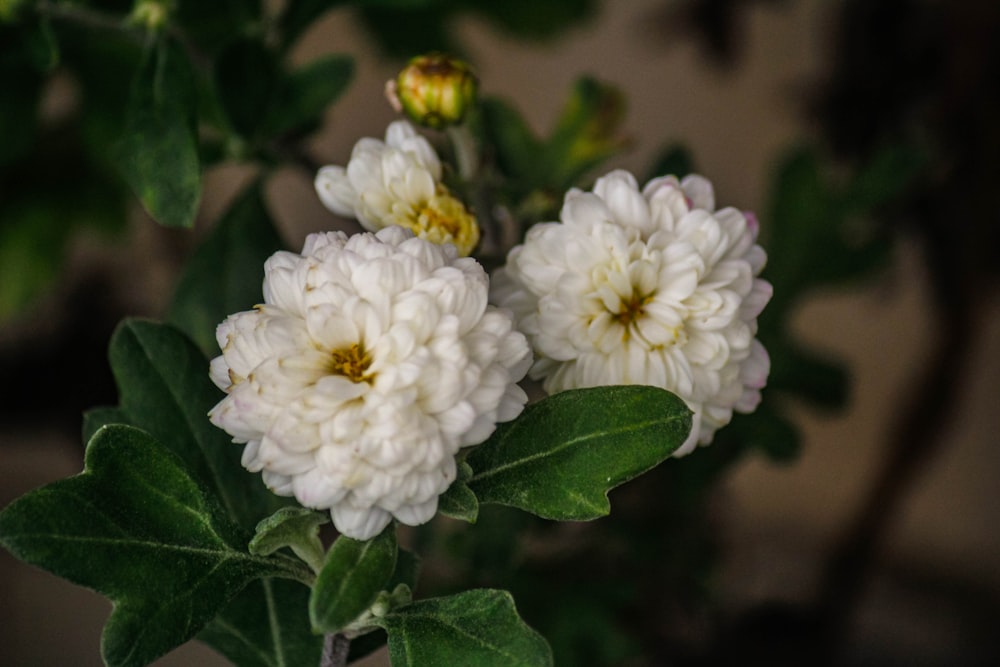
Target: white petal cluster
398	182
651	287
372	360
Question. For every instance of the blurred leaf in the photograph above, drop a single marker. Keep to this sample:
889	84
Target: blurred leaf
459	502
299	16
477	627
158	152
515	147
267	625
247	75
164	389
560	458
135	526
530	19
676	160
45	200
411	28
21	85
586	133
768	431
305	94
807	374
215	25
354	574
225	274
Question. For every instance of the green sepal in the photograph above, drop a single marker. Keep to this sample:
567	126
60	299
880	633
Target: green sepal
559	459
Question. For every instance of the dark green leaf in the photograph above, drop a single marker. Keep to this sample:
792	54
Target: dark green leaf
536	20
305	93
478	627
165	389
247	76
158	152
354	574
676	160
515	147
225	273
459	502
138	528
560	458
267	625
299	15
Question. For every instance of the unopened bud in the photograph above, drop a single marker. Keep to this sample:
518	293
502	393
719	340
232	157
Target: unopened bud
434	90
151	14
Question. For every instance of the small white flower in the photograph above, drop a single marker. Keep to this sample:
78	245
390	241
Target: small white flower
372	360
398	182
653	287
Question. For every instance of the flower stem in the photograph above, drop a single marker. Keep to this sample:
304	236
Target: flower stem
465	151
335	649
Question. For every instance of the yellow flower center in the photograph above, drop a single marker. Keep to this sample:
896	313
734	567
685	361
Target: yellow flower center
351	362
444	219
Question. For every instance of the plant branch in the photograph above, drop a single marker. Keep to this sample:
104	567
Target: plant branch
335	649
916	439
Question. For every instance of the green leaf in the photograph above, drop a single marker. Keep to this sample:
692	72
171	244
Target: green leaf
293	527
267	625
478	627
560	458
138	528
299	15
459	502
165	389
247	75
675	159
354	574
158	152
225	273
304	94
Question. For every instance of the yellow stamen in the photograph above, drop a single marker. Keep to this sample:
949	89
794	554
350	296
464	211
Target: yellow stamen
352	363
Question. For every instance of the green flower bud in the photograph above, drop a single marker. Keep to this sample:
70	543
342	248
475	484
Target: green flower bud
434	90
151	14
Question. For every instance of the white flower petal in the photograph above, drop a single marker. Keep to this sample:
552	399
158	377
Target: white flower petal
644	287
357	392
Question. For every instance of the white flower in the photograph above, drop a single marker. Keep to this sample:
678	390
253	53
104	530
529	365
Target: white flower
652	287
398	182
373	359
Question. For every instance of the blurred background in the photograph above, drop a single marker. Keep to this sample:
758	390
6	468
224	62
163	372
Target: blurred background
879	527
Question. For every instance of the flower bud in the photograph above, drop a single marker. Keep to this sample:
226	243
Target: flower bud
434	90
151	14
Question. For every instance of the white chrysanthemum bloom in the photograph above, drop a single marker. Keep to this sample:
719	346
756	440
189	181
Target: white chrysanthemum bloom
650	287
398	182
372	360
